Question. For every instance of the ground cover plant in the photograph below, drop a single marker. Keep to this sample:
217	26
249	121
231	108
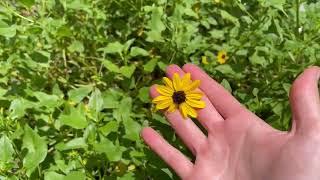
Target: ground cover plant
74	75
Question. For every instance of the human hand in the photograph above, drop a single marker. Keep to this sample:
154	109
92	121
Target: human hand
240	145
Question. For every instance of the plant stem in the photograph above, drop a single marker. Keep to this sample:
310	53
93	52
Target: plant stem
298	17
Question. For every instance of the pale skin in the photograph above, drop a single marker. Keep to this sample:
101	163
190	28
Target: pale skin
240	145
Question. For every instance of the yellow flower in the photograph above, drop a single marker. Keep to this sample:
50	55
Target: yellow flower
180	93
222	57
204	60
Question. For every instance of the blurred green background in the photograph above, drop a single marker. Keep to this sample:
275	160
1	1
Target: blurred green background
74	75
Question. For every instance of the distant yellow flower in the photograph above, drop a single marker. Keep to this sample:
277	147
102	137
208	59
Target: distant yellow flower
222	57
204	60
180	93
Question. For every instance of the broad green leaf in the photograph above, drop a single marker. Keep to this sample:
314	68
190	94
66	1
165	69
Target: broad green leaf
156	25
41	56
47	100
258	60
8	32
275	3
226	85
74	119
110	66
76	143
110	100
111	126
78	5
132	129
51	175
217	34
75	175
144	94
37	149
150	65
114	47
96	101
76	95
6	150
90	134
128	176
27	3
227	16
136	51
76	46
113	152
17	108
225	69
127	71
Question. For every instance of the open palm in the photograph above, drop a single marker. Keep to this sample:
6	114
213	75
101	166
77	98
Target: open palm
240	145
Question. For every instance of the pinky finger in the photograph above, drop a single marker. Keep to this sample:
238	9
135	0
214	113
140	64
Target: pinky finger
174	158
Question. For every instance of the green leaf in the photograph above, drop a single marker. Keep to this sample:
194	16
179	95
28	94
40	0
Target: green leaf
227	16
127	71
8	32
27	3
76	46
258	60
132	129
110	100
275	3
40	56
113	152
47	100
144	94
111	126
113	48
225	69
76	143
136	51
156	25
51	175
96	101
37	149
128	176
6	150
75	119
75	175
149	66
17	108
76	95
110	66
226	85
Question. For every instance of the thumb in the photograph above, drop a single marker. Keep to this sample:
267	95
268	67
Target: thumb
305	102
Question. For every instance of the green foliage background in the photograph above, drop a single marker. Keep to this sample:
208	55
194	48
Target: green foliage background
74	75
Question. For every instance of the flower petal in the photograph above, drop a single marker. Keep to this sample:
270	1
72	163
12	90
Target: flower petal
192	112
161	98
176	82
167	82
172	108
194	85
186	79
164	90
164	104
183	110
194	95
196	104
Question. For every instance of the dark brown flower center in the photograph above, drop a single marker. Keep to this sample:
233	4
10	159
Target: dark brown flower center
179	97
223	56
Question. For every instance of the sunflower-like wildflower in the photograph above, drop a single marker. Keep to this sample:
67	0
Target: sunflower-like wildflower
222	57
179	93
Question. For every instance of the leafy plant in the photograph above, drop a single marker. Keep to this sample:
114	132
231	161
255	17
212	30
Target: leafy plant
74	75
